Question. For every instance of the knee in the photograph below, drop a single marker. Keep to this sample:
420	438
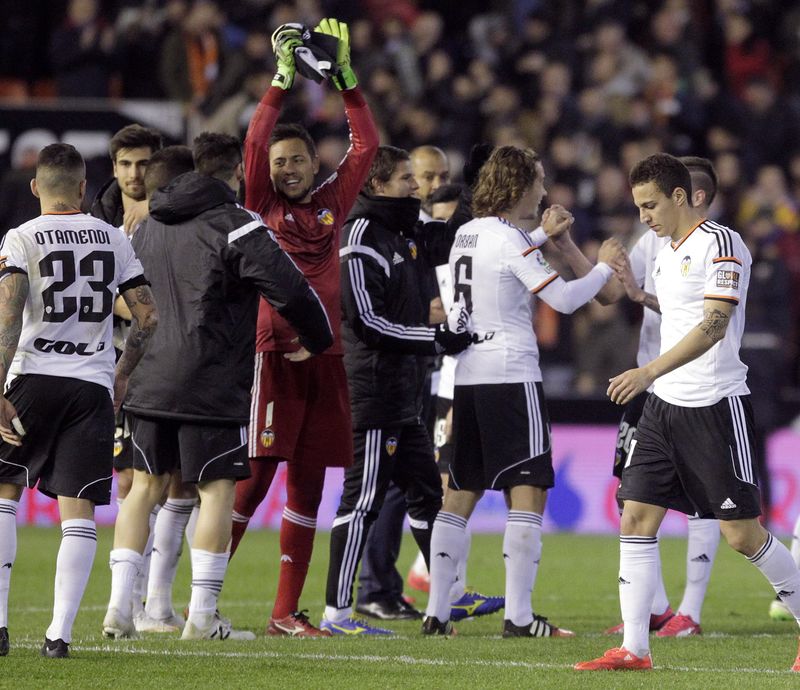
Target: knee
640	520
745	537
150	487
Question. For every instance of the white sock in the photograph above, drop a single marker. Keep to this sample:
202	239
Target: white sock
208	573
169	529
192	524
447	550
419	566
73	565
8	552
125	566
460	585
522	549
638	572
140	587
796	542
660	599
337	615
700	554
775	561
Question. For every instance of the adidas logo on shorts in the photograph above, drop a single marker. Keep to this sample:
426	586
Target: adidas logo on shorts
728	504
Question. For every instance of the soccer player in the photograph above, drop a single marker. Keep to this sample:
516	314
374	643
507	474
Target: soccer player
122	202
693	445
209	260
301	409
166	534
500	427
385	332
58	276
703	538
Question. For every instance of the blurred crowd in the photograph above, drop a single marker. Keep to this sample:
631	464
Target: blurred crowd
592	85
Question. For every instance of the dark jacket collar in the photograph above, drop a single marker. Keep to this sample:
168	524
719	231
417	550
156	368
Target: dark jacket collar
397	215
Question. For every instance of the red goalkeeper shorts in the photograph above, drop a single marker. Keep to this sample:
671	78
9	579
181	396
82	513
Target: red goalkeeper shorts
300	411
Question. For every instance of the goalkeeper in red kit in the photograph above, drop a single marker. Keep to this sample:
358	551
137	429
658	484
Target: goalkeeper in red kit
300	410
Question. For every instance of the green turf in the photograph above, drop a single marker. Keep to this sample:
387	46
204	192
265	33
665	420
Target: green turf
576	587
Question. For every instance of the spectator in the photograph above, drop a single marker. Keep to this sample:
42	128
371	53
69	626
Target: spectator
82	52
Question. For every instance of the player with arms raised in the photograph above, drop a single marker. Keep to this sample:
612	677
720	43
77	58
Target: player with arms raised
301	409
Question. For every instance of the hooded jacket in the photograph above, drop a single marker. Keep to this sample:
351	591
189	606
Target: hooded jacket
209	259
107	205
384	311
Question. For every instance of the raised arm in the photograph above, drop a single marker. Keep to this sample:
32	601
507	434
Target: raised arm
567	296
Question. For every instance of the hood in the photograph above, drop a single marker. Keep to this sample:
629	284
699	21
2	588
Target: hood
187	196
107	205
397	215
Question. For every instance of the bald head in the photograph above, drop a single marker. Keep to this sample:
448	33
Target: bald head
431	170
60	174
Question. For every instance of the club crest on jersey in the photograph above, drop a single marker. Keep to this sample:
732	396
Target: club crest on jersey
412	247
391	445
728	279
325	216
267	438
686	264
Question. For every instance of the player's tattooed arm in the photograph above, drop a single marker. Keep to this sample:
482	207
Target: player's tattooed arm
650	301
715	323
13	295
145	319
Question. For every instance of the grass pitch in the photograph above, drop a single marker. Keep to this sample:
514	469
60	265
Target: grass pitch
576	588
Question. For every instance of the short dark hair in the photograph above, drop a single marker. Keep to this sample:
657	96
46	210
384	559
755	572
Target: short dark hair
665	171
134	137
166	165
293	131
383	165
703	175
503	180
217	155
446	194
60	169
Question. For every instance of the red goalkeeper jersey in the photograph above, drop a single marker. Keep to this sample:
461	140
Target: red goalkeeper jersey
309	233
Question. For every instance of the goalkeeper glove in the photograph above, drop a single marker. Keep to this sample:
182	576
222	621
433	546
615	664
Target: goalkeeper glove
285	39
345	78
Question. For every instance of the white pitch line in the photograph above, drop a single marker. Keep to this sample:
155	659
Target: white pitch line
404	659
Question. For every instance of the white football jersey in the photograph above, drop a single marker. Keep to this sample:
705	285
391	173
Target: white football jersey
643	258
713	262
496	269
75	263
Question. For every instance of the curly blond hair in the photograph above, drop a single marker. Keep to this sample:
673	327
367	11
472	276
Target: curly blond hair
503	180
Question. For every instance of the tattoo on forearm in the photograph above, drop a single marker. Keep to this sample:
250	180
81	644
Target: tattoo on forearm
651	302
143	295
142	328
135	346
714	324
13	295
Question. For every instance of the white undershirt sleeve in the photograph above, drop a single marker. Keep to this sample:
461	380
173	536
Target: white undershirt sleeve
566	296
